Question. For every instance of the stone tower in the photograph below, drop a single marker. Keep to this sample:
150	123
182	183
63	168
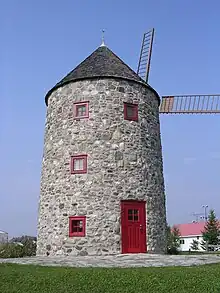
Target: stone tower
102	186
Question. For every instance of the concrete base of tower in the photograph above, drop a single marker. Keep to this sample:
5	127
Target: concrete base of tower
134	260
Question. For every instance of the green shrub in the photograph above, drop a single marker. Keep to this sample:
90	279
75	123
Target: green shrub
172	250
11	250
19	247
29	248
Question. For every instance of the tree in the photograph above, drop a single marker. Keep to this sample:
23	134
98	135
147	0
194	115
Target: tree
211	231
195	245
173	240
23	239
203	245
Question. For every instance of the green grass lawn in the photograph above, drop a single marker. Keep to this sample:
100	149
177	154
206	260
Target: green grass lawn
36	279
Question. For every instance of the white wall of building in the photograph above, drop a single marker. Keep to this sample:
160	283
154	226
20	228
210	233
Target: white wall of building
188	241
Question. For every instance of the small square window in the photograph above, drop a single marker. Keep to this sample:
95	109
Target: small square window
81	110
182	241
133	215
77	226
79	164
130	111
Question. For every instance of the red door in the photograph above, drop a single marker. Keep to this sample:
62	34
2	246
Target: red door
133	226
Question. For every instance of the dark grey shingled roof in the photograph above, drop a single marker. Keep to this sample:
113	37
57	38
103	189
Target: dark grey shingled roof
101	63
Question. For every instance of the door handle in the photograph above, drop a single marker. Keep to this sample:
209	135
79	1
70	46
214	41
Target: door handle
141	227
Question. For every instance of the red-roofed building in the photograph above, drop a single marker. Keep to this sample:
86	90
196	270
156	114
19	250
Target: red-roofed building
190	232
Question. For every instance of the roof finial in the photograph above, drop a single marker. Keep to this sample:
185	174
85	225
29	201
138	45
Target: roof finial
103	38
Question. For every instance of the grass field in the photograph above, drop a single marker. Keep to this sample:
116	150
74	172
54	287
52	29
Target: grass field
36	279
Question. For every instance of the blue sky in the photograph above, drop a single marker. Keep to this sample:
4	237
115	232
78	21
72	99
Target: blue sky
43	40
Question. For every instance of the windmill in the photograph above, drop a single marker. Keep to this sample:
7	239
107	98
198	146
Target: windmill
175	104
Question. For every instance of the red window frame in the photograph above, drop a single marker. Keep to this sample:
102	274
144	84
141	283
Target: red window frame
79	233
78	104
135	109
79	157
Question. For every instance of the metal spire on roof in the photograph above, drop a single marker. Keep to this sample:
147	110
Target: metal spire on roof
103	39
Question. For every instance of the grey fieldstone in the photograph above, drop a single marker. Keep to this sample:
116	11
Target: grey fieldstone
61	206
118	155
48	247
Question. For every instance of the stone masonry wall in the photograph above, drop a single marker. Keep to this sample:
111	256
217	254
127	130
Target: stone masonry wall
124	162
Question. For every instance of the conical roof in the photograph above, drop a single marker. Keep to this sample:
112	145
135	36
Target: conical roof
101	63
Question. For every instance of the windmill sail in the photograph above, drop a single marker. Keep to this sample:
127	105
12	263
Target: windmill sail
190	104
145	55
